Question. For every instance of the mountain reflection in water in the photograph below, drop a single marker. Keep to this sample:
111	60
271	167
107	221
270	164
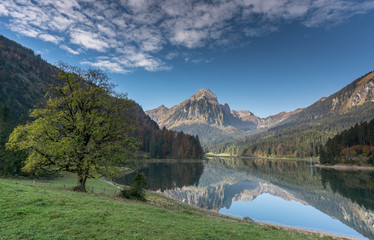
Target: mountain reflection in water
220	183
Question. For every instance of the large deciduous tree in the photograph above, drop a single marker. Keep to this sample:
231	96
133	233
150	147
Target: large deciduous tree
84	127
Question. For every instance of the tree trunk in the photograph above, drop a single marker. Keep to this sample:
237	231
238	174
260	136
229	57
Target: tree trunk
81	187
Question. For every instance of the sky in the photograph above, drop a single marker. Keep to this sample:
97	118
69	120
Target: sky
265	56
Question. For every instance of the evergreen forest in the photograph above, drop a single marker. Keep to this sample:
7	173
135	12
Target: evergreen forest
352	146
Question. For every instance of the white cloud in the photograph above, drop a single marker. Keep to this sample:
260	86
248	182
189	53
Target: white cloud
64	6
24	30
60	23
148	39
88	40
176	8
133	58
107	30
3	10
138	5
134	32
50	38
107	65
189	38
129	60
333	12
75	52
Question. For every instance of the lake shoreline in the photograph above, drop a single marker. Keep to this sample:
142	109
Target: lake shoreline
307	231
344	167
270	158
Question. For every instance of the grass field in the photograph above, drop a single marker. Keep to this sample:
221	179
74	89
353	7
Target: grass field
44	210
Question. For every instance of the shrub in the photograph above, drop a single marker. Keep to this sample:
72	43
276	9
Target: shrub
137	188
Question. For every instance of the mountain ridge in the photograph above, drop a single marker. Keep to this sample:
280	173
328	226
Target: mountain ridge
203	108
301	134
355	94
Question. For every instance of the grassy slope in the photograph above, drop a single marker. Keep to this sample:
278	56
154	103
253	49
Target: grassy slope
44	212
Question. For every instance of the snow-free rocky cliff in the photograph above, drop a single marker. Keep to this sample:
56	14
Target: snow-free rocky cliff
203	111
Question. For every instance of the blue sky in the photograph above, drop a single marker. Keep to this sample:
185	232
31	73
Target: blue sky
265	56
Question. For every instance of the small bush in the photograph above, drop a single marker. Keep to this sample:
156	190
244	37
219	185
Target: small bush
136	190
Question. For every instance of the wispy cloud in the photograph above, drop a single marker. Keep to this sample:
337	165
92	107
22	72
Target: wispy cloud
136	33
72	51
24	30
89	40
106	64
324	12
50	38
126	60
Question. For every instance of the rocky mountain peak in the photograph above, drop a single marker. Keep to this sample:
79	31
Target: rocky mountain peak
202	115
162	107
204	93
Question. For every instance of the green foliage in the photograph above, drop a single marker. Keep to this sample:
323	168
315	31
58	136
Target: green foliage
352	146
290	144
10	162
5	113
137	188
24	78
167	143
82	128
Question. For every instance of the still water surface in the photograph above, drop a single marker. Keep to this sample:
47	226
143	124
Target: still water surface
275	191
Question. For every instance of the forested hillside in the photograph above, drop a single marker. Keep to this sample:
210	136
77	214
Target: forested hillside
352	146
10	162
24	80
165	143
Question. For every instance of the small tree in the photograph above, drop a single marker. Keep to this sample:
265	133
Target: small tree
83	127
136	190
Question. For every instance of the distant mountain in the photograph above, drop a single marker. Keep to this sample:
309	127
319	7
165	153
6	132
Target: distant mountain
24	80
202	115
301	134
355	95
202	107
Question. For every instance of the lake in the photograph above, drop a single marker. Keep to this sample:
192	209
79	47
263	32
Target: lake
284	192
